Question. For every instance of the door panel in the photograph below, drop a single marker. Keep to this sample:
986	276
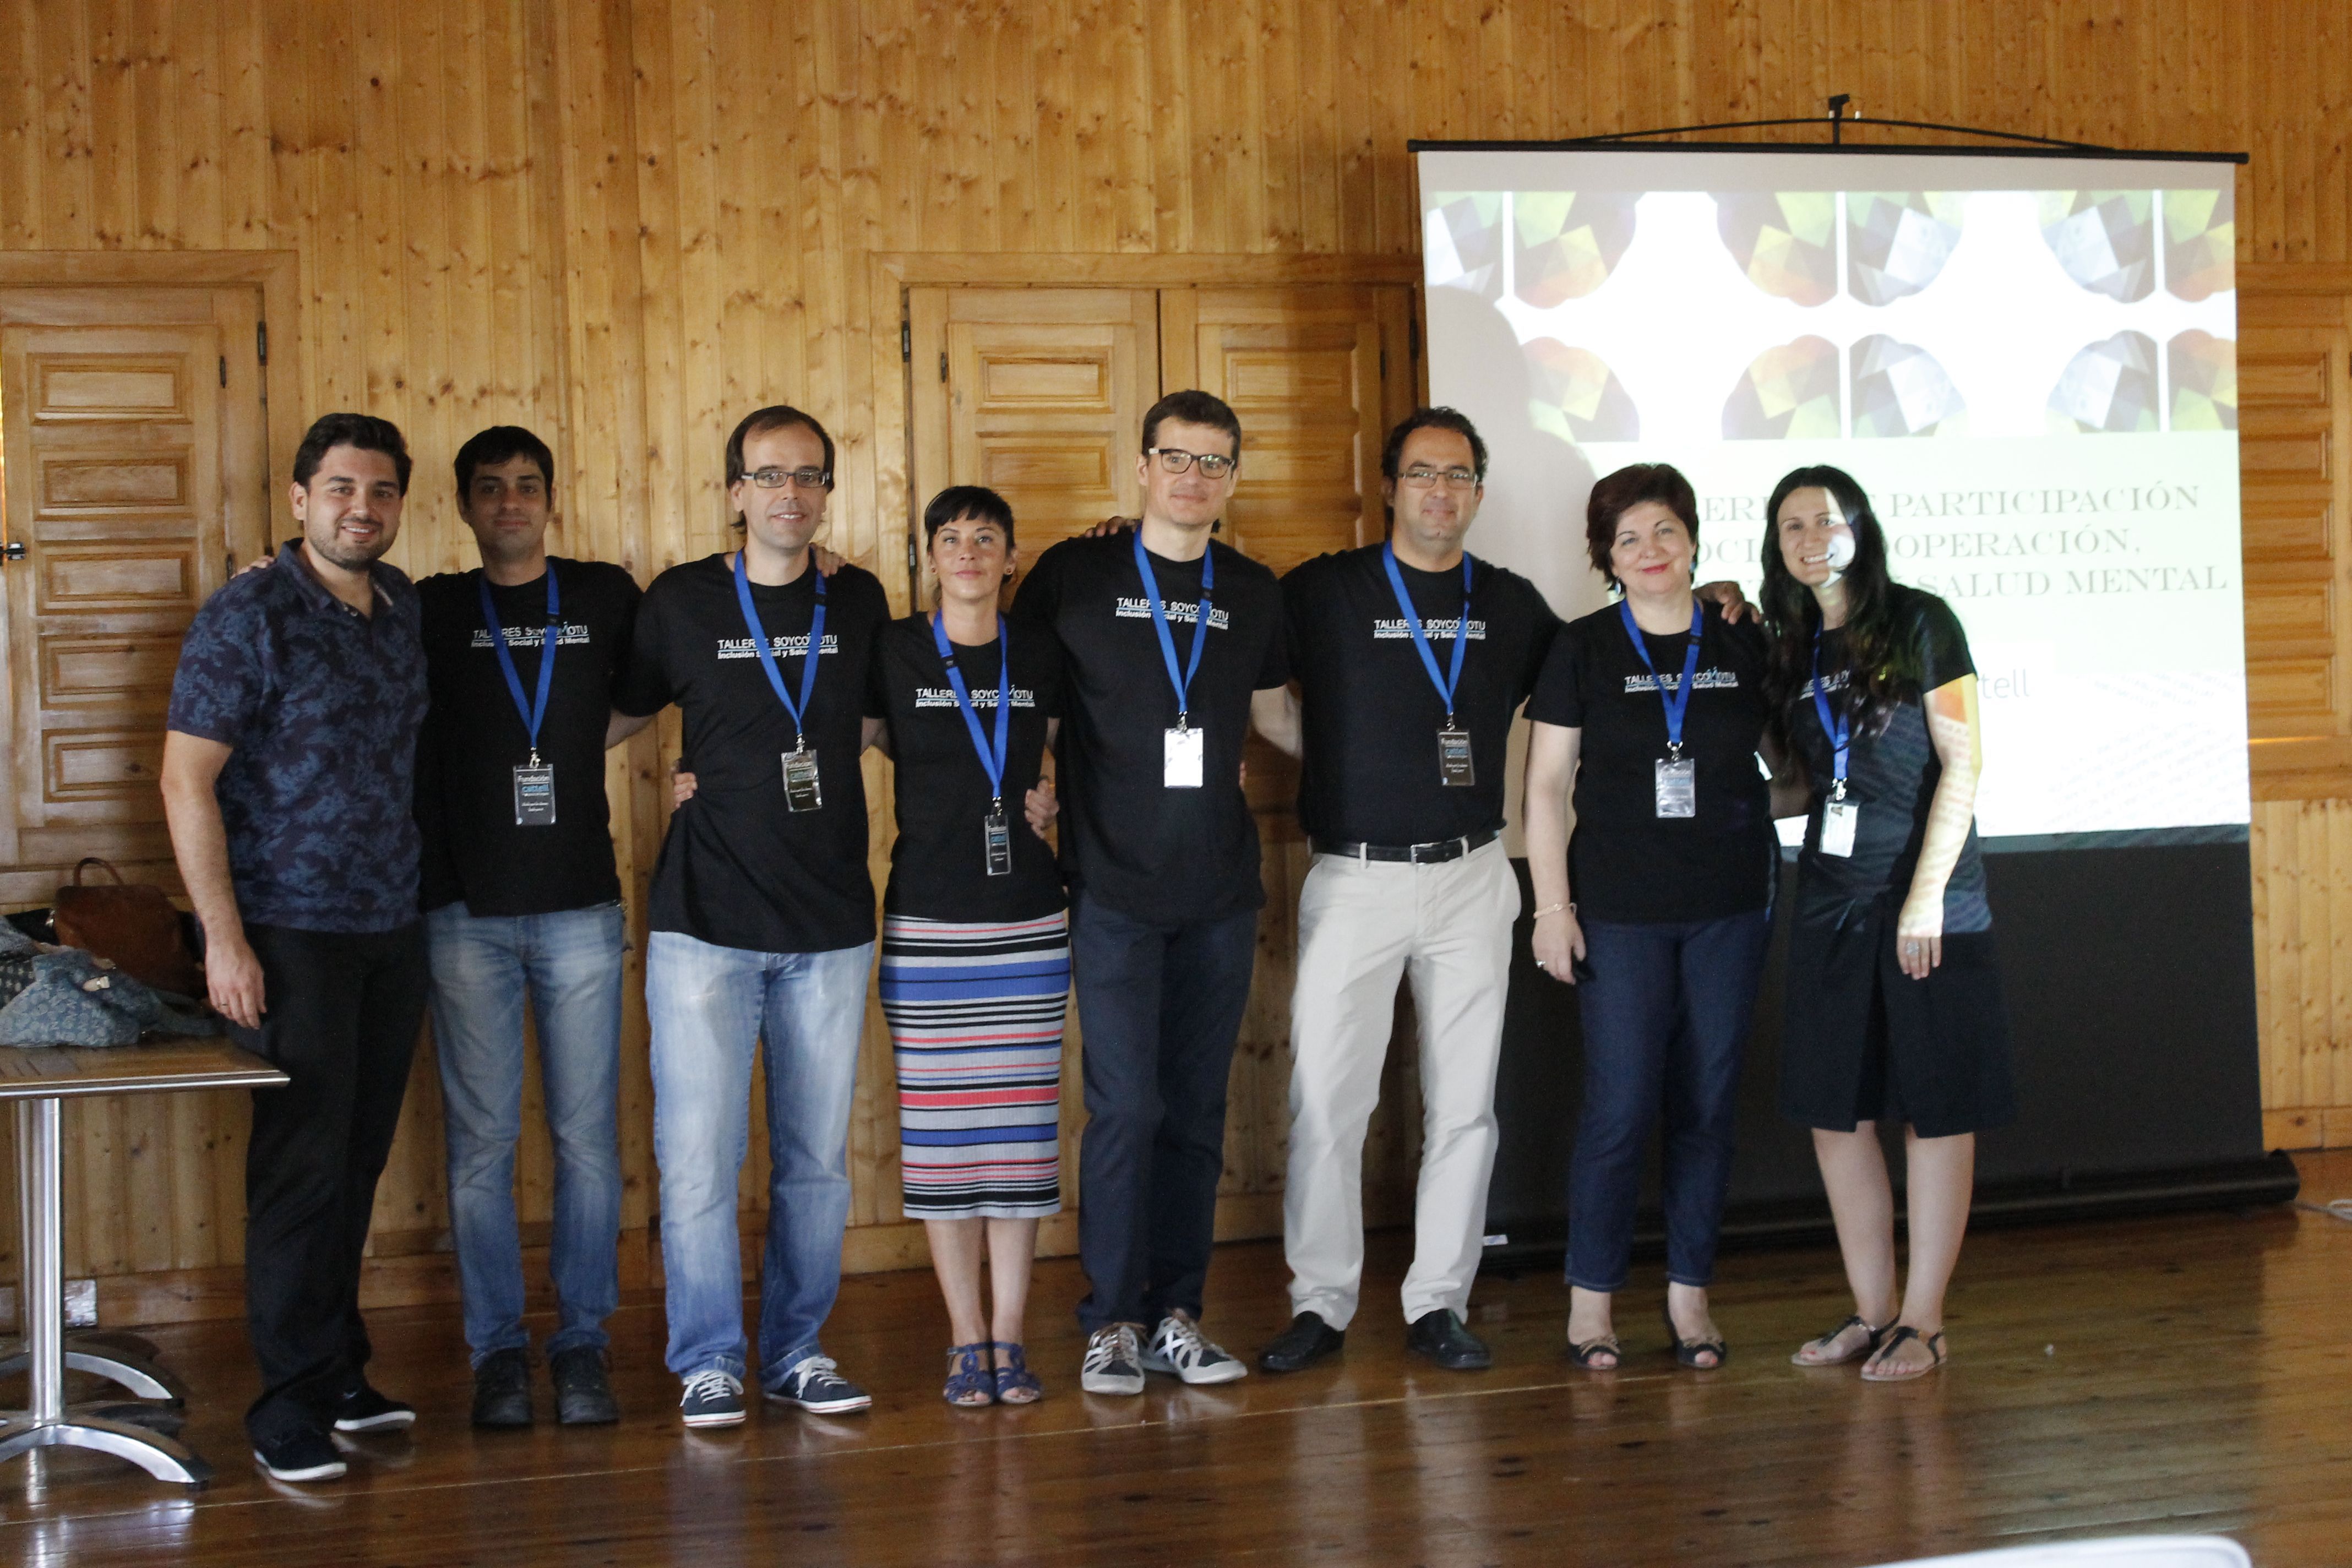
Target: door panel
2295	387
131	470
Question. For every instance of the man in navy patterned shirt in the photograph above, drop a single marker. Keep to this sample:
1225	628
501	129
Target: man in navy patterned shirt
288	783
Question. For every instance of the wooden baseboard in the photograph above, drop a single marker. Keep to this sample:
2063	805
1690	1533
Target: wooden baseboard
2308	1127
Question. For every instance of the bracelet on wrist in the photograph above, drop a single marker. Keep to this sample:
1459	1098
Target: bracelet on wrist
1554	909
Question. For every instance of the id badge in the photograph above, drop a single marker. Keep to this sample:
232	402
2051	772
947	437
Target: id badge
1453	759
1677	786
802	789
999	834
1181	753
534	790
1838	820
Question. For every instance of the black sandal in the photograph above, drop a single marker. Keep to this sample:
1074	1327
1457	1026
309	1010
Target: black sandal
1935	1344
1582	1355
1869	1348
1688	1352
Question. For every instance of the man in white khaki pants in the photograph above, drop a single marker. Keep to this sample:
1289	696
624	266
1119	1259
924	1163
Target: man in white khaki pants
1411	658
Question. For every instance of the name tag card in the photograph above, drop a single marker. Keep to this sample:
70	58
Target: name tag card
1453	769
534	795
1838	820
999	834
802	791
1182	750
1677	786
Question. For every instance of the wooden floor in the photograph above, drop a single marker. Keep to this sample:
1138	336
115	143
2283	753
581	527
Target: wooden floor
2182	1374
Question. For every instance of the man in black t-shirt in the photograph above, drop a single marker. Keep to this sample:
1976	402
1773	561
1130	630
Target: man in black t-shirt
761	919
1411	658
520	898
1172	643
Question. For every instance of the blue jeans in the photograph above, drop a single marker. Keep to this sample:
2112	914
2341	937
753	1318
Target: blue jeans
710	1008
570	963
1158	1006
1665	1023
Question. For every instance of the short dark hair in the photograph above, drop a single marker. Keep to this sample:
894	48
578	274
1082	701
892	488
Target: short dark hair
1192	406
759	422
502	444
976	501
1623	490
1454	419
364	431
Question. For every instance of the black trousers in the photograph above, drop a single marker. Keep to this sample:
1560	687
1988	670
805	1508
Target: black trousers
343	1012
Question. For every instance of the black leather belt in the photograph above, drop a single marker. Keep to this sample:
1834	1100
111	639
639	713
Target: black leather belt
1436	854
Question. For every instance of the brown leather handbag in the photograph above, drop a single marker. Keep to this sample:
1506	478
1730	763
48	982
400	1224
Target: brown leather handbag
133	923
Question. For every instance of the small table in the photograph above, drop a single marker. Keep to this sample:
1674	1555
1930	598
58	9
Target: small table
37	1080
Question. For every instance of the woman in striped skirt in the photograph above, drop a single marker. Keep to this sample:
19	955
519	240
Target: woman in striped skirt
975	936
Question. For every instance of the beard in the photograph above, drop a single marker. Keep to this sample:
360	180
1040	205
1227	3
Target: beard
337	550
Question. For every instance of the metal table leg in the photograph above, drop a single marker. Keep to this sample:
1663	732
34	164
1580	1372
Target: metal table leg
48	1423
125	1359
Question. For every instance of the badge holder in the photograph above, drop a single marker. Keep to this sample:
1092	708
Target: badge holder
534	793
1453	769
803	791
1677	785
1182	750
999	834
1839	818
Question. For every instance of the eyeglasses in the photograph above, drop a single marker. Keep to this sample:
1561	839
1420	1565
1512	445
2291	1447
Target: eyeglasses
1422	478
807	479
1174	460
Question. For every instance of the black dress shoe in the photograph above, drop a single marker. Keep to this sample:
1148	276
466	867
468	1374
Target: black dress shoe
1440	1336
583	1391
503	1389
1307	1341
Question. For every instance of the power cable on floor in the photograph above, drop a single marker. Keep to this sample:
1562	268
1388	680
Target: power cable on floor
2335	1208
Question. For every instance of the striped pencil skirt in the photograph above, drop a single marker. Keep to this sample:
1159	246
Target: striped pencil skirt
976	1014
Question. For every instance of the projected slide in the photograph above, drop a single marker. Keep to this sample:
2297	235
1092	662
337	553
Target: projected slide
2030	364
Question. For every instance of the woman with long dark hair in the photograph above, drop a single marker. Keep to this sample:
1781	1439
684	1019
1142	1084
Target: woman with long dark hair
1894	1008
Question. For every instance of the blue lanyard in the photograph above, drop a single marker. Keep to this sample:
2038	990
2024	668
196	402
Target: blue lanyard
1839	733
1182	683
1679	701
993	760
799	711
533	713
1451	680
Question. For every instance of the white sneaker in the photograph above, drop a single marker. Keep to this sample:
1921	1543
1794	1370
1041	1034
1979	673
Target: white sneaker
1112	1363
1177	1346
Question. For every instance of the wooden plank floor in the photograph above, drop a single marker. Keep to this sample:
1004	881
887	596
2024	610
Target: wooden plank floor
2182	1374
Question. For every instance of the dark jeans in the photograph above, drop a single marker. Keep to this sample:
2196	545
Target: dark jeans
343	1012
1158	1004
1665	1023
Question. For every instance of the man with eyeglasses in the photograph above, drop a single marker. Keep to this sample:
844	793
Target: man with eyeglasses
1411	658
1173	644
761	919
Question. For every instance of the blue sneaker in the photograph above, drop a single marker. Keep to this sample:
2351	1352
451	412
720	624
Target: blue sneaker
713	1398
814	1385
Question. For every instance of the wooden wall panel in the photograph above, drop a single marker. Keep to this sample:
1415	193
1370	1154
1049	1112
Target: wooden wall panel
623	221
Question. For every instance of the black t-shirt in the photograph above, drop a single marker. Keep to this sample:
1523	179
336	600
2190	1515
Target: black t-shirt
938	866
1371	714
1127	838
474	738
1626	862
739	869
1891	773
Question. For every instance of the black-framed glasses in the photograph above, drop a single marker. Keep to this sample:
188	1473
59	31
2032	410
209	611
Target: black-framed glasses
1175	460
1422	478
807	479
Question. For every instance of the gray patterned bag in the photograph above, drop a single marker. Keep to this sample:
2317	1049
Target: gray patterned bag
73	1000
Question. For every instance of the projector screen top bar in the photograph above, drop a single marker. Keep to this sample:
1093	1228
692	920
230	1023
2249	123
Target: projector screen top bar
1607	144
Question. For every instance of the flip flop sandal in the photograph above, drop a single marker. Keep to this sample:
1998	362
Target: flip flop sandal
1582	1355
1688	1352
1935	1344
969	1386
1015	1384
1869	1347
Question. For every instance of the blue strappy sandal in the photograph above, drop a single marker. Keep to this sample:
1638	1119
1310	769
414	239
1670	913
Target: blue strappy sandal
969	1386
1015	1384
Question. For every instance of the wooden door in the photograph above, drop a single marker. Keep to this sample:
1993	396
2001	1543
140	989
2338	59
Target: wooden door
2295	439
133	431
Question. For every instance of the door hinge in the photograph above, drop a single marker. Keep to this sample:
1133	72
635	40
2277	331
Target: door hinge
261	341
906	341
943	366
224	358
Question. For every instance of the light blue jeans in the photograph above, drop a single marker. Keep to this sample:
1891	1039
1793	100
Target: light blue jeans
569	964
710	1008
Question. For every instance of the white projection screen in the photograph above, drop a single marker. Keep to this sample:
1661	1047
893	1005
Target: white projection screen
2028	361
